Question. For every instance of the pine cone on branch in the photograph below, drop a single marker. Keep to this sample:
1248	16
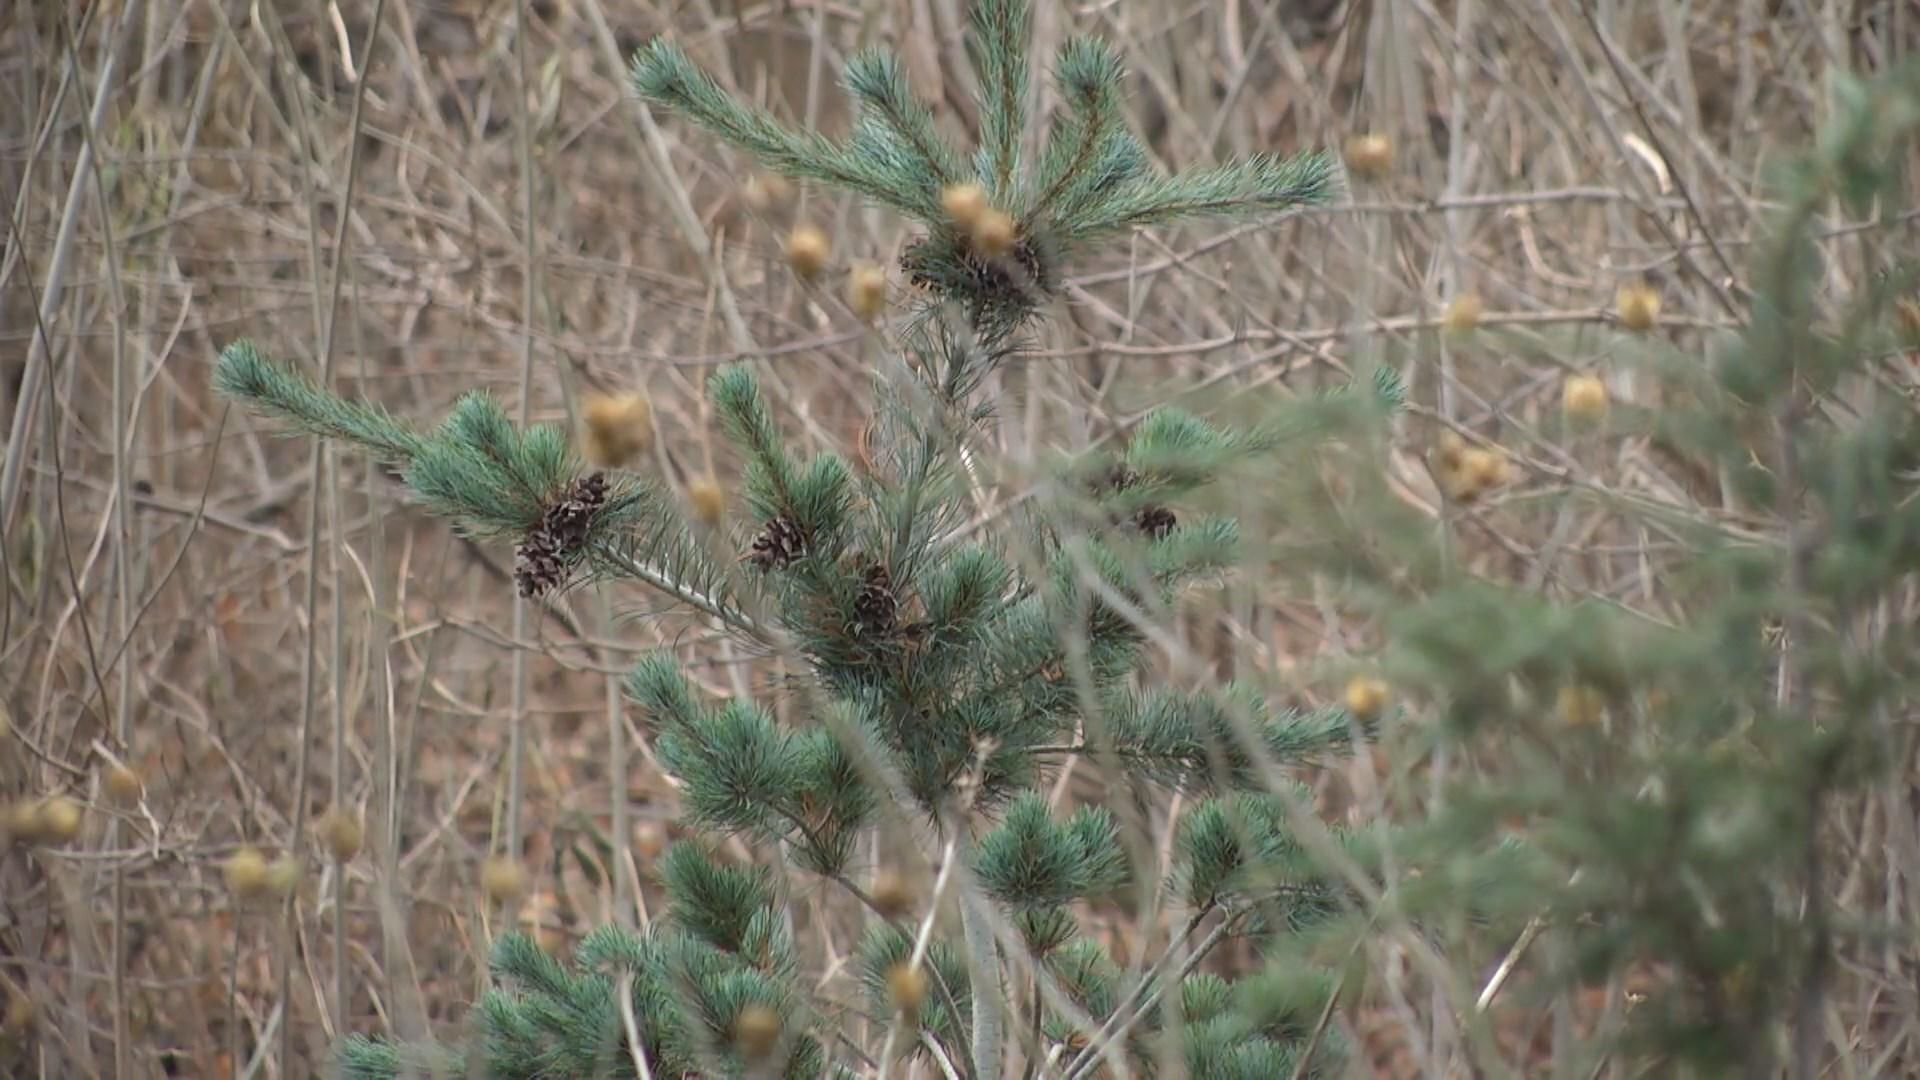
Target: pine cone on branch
877	609
779	543
540	563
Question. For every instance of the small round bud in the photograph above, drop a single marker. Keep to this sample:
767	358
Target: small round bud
248	874
1579	706
764	191
1583	398
341	833
122	783
1463	314
1366	697
616	428
502	879
867	291
756	1031
893	896
57	820
993	234
1637	306
807	251
964	203
1370	155
906	987
709	502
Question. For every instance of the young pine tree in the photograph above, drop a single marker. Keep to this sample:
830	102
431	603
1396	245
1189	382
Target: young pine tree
945	677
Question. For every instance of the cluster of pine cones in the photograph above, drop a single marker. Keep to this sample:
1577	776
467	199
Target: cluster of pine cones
540	563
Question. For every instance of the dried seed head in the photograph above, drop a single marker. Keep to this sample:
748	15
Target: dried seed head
708	500
893	896
248	874
1486	469
867	291
340	831
1583	398
964	203
1365	697
1463	314
649	840
122	783
1637	306
906	987
502	879
283	875
764	191
21	1013
1370	155
993	234
1579	706
617	427
807	251
56	820
756	1031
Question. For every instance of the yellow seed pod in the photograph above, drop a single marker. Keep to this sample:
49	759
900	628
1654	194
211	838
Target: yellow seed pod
21	1013
756	1031
1579	706
1370	155
1637	306
906	988
867	291
1366	697
808	250
123	783
57	820
764	191
1463	314
892	894
502	879
616	428
964	203
1486	469
283	875
248	874
993	234
709	502
341	833
1583	398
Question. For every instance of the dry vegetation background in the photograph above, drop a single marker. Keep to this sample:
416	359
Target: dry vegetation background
432	197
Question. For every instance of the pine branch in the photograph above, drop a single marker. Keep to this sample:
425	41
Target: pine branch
899	132
664	75
244	374
1090	152
998	45
1263	183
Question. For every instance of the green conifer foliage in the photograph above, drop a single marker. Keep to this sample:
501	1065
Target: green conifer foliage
944	679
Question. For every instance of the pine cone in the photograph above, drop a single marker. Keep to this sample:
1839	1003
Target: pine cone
536	565
778	544
540	564
877	610
1155	521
